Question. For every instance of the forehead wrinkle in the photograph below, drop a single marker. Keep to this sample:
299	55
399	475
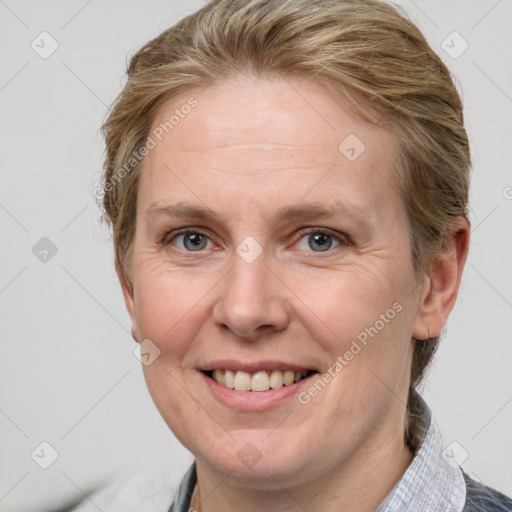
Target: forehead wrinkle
251	160
267	146
259	171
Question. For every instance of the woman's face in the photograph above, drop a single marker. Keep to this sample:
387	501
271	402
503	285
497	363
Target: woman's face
270	238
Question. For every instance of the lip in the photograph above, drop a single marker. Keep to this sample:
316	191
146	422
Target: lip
253	366
254	400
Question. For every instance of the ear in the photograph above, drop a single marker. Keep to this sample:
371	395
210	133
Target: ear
129	302
442	286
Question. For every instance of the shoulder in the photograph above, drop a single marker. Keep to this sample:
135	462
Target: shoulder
480	498
147	489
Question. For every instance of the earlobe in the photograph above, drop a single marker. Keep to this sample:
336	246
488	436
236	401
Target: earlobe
128	295
134	335
442	286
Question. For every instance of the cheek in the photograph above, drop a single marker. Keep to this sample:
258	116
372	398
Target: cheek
362	317
167	308
350	304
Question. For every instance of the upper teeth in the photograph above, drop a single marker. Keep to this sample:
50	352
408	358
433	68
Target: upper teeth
259	381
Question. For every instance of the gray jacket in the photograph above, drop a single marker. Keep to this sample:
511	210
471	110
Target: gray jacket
480	498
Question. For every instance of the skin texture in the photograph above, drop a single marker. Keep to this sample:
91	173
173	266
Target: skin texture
250	147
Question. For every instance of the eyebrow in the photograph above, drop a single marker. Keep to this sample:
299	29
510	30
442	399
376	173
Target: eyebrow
309	211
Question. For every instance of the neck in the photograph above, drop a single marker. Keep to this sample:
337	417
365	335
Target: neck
358	485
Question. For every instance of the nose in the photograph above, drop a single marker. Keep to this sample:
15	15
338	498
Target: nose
253	300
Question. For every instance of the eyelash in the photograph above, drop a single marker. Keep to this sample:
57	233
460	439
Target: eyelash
342	239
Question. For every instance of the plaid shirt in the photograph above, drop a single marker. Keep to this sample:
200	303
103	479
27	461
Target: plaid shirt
432	482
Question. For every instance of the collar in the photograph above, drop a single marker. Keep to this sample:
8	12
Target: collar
432	481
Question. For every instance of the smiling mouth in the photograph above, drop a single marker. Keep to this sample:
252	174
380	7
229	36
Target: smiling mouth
257	381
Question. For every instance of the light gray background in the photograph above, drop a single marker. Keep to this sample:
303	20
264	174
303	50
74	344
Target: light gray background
68	375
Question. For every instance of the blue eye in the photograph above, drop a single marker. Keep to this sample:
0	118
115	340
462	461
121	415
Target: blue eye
320	240
193	241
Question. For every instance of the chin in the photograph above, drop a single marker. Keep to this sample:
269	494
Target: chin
259	464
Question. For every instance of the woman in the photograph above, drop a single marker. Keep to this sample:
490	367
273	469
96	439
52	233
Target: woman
287	183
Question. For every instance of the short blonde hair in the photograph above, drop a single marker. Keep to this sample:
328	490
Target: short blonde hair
364	50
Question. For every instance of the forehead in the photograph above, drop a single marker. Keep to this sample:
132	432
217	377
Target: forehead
287	133
273	110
